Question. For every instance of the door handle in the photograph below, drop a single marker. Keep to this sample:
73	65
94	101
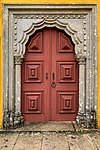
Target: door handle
46	75
53	76
53	84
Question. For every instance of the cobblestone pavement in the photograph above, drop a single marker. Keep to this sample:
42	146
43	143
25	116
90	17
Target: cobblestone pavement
48	138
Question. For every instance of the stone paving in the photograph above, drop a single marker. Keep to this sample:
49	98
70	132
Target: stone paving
49	136
49	126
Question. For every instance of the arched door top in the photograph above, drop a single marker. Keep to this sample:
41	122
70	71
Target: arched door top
41	23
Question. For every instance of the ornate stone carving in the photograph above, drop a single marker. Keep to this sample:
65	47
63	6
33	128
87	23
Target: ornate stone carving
49	22
15	35
18	120
6	119
69	16
85	35
18	59
81	58
23	22
86	120
12	120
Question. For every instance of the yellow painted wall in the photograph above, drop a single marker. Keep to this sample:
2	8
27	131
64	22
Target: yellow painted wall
50	2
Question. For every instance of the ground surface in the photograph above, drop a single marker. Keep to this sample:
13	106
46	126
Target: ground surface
49	136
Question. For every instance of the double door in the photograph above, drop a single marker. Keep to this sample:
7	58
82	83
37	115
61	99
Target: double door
49	77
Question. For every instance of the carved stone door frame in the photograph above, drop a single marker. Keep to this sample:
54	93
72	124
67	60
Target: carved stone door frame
79	22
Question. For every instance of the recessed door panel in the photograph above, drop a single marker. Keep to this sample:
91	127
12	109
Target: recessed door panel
34	72
66	102
33	102
66	72
49	77
36	43
64	44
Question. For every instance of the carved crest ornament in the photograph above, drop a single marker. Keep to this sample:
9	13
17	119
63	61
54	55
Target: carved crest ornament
22	21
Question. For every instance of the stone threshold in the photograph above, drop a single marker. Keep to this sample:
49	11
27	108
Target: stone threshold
49	127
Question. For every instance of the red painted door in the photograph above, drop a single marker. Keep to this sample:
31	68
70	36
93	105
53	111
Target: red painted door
49	77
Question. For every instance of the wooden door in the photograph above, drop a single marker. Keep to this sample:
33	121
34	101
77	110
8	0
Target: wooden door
49	77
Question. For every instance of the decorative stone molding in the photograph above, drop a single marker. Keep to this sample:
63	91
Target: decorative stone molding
12	120
81	58
41	23
87	120
18	120
71	16
22	21
6	119
18	59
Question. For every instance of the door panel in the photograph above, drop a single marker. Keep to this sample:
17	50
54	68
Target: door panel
36	44
49	77
65	68
33	102
34	72
34	84
66	72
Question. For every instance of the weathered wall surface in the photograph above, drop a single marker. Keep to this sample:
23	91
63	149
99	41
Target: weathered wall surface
98	116
0	64
48	2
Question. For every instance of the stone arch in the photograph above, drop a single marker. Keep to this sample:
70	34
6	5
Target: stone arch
79	53
79	22
50	23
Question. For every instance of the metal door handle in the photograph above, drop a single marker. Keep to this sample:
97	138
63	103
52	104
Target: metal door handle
53	84
53	76
46	75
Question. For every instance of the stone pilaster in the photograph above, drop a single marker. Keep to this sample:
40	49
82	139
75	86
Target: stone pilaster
81	58
18	119
85	118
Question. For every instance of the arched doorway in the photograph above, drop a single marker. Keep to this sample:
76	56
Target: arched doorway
49	77
22	22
